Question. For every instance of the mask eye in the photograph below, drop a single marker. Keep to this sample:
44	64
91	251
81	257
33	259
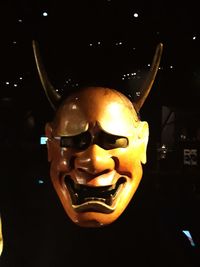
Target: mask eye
109	141
66	141
80	142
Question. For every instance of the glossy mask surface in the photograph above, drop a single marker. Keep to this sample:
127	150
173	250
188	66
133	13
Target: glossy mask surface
96	146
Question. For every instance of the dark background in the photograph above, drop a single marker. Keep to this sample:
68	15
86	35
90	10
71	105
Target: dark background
100	42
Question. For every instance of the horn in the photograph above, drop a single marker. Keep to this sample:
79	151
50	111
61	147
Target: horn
148	83
50	92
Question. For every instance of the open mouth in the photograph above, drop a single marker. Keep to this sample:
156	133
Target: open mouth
99	199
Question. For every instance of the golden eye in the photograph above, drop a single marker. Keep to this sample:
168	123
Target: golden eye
109	141
80	141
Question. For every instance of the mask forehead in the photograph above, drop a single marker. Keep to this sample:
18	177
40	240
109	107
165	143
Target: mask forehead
111	110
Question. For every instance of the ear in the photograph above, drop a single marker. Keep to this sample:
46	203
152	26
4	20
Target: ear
48	133
143	136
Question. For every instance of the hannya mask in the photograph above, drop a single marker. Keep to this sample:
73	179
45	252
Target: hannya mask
96	147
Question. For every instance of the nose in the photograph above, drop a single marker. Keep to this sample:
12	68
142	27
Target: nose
94	160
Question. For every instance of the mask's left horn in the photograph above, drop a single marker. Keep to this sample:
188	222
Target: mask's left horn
52	95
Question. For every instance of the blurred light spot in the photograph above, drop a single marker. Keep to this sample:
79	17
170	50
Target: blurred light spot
40	181
43	140
45	14
187	233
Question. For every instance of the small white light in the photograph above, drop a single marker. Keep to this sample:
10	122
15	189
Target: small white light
43	140
45	14
187	233
137	93
7	83
15	85
194	38
135	15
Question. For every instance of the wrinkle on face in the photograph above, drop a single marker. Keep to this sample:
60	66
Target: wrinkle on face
112	111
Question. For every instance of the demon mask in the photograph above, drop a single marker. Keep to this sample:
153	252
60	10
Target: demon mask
96	147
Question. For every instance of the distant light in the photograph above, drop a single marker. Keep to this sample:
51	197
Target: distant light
20	78
20	20
135	15
194	38
7	83
14	42
90	44
137	93
171	67
187	233
45	14
40	181
15	85
43	140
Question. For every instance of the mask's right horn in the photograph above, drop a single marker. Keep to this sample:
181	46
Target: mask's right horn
148	83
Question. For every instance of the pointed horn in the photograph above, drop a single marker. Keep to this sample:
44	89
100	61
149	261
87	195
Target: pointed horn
50	92
148	83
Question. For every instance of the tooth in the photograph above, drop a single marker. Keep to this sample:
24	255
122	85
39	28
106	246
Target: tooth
95	199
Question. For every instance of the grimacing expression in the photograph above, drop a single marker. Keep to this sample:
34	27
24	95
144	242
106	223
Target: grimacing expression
96	147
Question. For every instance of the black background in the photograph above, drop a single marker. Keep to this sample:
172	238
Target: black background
35	227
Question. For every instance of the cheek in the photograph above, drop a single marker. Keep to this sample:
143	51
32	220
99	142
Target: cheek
59	161
128	161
